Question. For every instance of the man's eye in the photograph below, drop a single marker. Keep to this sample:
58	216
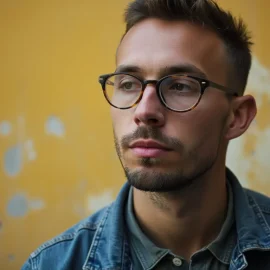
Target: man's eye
127	85
180	87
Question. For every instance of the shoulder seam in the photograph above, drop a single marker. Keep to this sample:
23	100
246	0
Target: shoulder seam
64	237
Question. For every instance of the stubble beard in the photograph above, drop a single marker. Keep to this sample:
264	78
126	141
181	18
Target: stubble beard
147	178
151	180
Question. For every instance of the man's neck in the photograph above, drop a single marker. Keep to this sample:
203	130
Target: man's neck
183	221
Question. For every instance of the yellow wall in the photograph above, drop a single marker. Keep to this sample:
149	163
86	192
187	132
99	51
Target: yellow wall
57	161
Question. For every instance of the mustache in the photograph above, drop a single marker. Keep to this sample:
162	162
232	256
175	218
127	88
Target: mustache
153	133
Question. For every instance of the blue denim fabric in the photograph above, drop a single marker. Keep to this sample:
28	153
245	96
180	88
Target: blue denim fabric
100	242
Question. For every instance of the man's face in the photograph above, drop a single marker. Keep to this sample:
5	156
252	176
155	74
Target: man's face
162	150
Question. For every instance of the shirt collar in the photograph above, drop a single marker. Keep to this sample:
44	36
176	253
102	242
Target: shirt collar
222	247
150	255
253	231
110	245
146	251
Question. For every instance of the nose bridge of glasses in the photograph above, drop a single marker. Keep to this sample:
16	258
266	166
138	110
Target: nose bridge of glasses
156	93
151	82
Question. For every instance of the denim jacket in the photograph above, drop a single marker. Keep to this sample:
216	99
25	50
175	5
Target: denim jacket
100	242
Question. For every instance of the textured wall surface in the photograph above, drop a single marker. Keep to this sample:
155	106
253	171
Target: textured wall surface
57	161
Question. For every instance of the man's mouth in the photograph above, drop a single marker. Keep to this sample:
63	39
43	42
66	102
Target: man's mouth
149	148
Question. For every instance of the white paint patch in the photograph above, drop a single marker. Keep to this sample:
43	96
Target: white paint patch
36	204
30	149
13	161
99	201
18	205
259	77
32	156
262	151
29	145
241	164
259	80
5	128
54	126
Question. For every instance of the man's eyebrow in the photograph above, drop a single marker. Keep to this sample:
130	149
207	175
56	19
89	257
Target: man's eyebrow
183	69
169	70
128	68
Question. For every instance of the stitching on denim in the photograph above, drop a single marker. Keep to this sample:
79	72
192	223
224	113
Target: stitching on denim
34	263
139	255
125	255
260	215
96	237
265	208
63	237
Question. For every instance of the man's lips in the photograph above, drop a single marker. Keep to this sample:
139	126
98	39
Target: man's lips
148	148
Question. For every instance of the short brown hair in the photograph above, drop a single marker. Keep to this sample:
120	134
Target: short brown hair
208	14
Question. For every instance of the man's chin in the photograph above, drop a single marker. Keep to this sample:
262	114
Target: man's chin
155	180
143	162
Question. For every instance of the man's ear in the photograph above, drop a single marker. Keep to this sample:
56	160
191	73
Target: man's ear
244	110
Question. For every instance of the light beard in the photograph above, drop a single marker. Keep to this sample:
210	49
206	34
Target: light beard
151	180
147	177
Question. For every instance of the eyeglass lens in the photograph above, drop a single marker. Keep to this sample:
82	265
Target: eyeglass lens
176	91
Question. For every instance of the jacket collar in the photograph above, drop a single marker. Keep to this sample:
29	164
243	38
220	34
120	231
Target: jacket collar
253	232
110	249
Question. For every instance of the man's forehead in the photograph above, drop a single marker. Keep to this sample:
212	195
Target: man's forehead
148	31
155	44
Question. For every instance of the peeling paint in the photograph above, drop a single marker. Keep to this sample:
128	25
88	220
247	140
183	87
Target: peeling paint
30	149
262	155
236	160
259	81
29	144
13	161
18	205
36	204
247	155
96	202
5	128
32	155
11	257
54	126
259	77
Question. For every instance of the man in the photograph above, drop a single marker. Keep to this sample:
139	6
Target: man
177	100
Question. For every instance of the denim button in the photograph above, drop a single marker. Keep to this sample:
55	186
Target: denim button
177	262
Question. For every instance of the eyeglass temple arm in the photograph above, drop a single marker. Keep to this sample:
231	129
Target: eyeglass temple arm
223	88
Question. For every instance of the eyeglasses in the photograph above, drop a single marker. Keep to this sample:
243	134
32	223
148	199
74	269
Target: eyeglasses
179	93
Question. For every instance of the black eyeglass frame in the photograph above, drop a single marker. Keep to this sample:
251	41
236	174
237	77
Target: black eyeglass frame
203	83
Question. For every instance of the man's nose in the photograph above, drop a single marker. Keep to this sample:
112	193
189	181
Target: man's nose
150	111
